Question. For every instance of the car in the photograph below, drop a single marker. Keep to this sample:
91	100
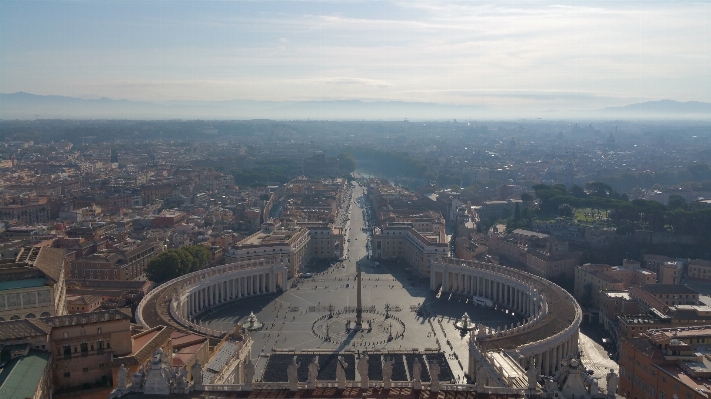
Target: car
308	275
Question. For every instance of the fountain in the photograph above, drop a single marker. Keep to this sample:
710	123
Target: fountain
464	323
252	323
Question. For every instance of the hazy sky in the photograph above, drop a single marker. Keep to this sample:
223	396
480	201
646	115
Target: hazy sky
529	54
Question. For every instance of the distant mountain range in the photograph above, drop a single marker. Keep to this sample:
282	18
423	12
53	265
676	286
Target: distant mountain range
23	105
664	107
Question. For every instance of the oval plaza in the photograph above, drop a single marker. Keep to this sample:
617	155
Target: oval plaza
532	345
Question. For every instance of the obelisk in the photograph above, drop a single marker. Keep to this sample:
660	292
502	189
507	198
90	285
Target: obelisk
359	305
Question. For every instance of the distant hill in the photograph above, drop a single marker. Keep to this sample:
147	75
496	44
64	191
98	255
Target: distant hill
662	108
23	105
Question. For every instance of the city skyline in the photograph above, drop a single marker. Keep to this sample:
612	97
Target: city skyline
516	57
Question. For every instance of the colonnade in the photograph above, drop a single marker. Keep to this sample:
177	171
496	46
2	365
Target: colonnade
507	293
525	294
227	289
196	292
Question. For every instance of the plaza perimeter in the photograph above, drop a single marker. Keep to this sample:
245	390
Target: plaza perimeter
532	316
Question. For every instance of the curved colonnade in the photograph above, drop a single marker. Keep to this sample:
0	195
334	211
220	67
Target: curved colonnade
190	295
549	332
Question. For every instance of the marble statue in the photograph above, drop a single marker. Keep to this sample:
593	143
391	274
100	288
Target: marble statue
137	380
532	374
341	366
481	377
434	377
122	373
416	374
388	372
613	380
248	372
158	376
181	382
196	372
363	370
292	373
594	387
313	373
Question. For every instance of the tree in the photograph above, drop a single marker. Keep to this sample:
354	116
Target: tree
599	189
526	197
200	253
676	202
577	191
166	266
517	213
174	263
566	210
346	162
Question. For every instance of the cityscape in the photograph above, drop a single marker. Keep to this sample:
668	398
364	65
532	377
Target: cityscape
190	233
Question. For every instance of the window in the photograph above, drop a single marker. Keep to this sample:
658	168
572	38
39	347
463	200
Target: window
98	330
101	365
85	369
67	375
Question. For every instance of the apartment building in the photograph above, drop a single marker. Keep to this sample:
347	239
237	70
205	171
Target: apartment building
602	277
700	269
402	241
127	262
275	241
666	363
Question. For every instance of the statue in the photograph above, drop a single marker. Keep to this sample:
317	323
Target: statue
122	373
388	372
137	380
158	376
416	374
291	372
594	387
181	383
313	373
196	372
532	374
341	372
434	377
248	374
481	377
363	370
612	382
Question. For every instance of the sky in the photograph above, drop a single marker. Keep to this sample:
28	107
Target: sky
540	55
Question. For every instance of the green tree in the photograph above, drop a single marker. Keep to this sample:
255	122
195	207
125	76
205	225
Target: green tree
526	197
566	210
200	253
676	202
166	266
346	162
